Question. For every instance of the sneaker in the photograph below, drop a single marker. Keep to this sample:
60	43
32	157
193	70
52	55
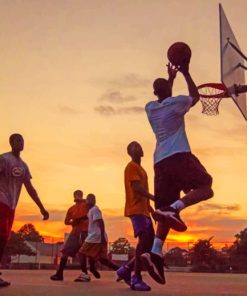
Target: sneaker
4	283
83	277
124	273
137	284
170	216
56	277
155	266
95	273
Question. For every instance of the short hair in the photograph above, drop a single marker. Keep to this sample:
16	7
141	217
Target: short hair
160	84
129	147
13	136
91	196
78	192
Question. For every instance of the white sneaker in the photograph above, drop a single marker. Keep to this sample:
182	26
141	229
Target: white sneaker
83	277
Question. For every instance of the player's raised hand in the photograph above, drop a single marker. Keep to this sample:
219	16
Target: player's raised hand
172	71
184	68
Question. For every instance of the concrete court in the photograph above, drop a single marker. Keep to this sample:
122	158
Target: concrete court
37	283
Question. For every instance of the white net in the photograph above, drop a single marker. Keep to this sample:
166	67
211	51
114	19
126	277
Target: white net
210	96
210	106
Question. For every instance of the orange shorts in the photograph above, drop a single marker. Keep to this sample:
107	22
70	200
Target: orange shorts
94	250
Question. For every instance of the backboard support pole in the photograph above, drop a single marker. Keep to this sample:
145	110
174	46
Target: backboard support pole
236	49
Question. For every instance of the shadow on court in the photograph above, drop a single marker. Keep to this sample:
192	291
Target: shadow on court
37	283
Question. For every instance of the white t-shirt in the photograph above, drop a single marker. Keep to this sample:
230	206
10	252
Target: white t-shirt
13	173
94	232
167	121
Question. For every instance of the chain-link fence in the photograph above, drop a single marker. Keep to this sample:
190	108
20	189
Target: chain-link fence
47	254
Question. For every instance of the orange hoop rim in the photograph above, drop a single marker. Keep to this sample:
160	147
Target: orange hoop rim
210	91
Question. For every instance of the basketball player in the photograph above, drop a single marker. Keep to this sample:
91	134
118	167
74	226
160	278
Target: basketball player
76	217
95	244
176	168
13	174
138	209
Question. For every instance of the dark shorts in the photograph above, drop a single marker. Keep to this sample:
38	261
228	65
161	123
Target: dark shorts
179	172
142	224
6	220
73	243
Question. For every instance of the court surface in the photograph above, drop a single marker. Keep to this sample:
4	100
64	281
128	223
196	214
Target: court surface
37	283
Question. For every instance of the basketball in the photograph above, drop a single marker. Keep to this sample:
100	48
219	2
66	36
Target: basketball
179	53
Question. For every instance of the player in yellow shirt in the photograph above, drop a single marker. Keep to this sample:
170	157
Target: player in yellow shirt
138	209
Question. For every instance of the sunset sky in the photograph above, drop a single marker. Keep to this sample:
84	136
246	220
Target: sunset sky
74	79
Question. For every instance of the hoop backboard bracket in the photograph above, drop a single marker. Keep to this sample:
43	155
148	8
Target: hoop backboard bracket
232	63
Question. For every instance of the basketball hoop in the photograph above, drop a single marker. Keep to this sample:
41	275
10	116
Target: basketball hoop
210	96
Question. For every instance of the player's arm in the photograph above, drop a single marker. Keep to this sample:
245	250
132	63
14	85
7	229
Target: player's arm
78	220
34	195
138	188
192	88
68	220
101	224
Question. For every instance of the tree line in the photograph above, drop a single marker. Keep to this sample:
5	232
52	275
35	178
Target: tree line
201	257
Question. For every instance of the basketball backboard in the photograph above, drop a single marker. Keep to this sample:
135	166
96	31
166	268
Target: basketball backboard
232	63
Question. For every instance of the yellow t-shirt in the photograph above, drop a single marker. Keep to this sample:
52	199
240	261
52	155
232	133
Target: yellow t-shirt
135	203
78	211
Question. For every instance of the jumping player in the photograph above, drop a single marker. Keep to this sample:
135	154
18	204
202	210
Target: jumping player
138	209
14	172
176	168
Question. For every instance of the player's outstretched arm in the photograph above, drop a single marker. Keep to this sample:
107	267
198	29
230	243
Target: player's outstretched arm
192	88
34	195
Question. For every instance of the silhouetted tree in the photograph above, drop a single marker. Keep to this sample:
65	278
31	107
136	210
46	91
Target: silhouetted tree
120	246
238	252
29	233
15	247
176	257
203	255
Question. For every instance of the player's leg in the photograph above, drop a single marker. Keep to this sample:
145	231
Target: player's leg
101	255
195	181
143	229
167	186
166	192
93	269
58	276
82	257
153	260
198	180
124	271
93	251
173	172
84	276
108	263
6	222
3	243
70	249
83	262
